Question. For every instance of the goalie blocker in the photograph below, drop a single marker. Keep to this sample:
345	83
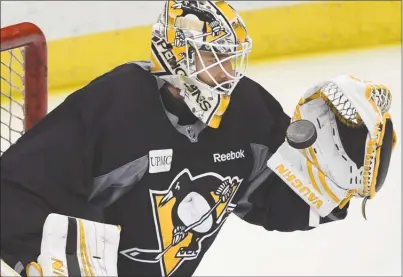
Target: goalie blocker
73	247
76	247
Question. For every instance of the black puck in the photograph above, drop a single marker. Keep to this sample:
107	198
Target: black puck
301	134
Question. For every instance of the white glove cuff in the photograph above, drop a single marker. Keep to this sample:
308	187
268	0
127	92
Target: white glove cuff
306	180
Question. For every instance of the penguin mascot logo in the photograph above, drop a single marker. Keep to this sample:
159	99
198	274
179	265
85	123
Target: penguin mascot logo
192	209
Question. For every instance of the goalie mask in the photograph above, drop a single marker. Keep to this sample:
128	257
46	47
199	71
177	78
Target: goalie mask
355	138
201	47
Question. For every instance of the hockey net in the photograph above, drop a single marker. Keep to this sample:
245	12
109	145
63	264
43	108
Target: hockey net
23	80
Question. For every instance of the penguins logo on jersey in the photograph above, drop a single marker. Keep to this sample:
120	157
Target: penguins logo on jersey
192	209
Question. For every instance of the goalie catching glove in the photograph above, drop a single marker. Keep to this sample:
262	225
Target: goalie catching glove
76	247
351	154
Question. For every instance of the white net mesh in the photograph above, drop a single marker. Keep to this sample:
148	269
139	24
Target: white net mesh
345	110
12	96
382	97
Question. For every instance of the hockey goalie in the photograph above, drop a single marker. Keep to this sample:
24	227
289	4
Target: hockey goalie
135	173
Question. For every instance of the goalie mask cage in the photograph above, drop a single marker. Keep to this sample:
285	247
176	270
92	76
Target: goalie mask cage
23	80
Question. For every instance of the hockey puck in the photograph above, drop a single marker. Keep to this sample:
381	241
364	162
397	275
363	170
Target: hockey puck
301	134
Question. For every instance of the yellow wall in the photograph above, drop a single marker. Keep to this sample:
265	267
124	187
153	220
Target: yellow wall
276	32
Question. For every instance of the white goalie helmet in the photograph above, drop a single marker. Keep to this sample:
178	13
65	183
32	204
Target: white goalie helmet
184	33
352	152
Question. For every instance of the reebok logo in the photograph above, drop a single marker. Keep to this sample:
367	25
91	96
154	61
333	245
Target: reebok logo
218	158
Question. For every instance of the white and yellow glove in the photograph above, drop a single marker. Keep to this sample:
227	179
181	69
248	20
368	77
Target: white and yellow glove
76	247
354	140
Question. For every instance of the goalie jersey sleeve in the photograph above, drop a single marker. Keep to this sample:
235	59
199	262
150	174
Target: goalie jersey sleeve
277	208
50	169
40	172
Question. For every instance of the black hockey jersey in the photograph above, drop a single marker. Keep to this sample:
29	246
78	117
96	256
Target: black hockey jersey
112	152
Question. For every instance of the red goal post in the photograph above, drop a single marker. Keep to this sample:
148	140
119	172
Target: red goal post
24	80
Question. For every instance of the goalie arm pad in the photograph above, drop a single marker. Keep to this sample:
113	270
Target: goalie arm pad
76	247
